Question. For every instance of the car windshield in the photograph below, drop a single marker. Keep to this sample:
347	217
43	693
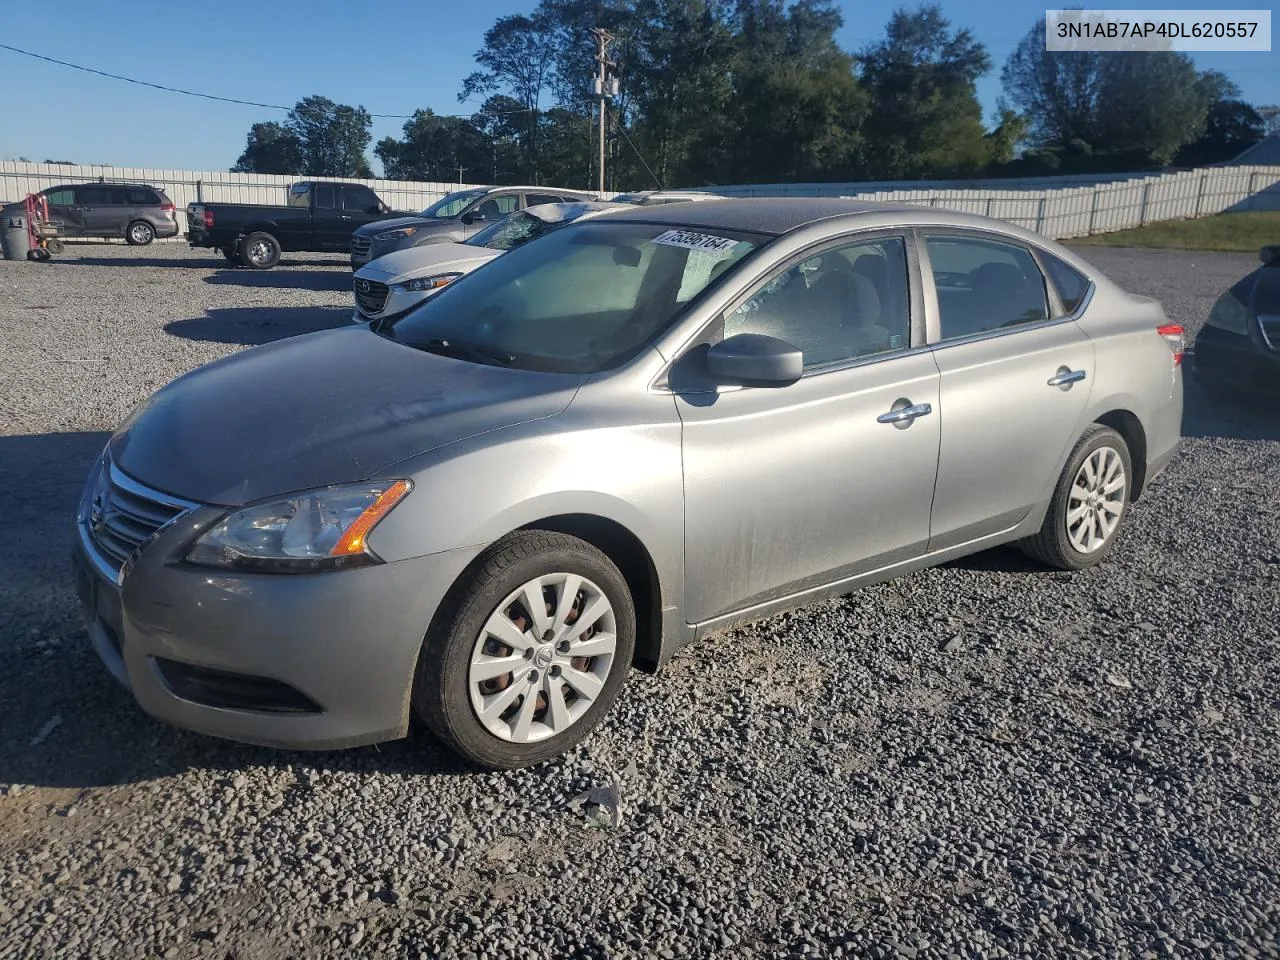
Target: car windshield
453	204
580	299
516	229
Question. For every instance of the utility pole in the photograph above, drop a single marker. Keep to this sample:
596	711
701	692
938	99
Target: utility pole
460	170
603	39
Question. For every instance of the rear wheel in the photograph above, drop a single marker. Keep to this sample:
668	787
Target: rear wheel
1088	505
528	657
260	251
139	233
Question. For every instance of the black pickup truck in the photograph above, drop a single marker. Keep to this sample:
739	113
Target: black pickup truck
317	217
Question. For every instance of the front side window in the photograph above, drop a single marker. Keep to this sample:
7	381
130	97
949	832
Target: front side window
845	303
452	204
581	298
495	208
325	199
984	285
516	229
61	197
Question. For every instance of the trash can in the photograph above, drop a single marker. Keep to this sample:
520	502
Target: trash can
13	235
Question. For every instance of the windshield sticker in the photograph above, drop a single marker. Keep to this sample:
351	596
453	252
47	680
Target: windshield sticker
694	241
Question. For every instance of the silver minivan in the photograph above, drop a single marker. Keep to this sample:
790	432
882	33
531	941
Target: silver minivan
136	212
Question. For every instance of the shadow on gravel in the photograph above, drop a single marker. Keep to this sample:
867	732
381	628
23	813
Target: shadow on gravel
1237	419
333	281
253	326
65	722
1006	559
186	262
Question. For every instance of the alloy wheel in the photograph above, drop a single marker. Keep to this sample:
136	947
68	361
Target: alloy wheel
1096	500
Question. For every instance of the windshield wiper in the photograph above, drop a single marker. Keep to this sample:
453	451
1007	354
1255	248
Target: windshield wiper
466	351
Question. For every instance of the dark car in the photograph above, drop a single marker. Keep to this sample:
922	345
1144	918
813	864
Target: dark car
452	218
316	216
1238	349
135	211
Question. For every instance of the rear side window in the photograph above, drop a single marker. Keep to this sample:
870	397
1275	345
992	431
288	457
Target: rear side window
325	199
141	198
1071	284
299	195
533	199
93	196
984	285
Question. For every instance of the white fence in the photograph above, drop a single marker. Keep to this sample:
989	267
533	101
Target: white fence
1065	209
1059	207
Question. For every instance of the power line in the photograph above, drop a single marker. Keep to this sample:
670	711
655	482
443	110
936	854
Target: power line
245	103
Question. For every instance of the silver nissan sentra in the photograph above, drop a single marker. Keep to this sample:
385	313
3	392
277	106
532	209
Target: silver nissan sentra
601	446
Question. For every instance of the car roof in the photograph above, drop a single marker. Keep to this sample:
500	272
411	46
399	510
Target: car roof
778	215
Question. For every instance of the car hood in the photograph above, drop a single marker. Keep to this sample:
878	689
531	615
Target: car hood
430	224
425	260
336	406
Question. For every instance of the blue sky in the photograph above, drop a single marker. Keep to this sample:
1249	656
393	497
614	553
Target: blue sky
391	57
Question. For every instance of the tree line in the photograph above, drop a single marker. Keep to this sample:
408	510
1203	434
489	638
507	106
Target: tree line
760	91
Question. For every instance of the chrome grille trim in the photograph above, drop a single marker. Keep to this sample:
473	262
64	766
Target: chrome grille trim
360	246
123	518
371	296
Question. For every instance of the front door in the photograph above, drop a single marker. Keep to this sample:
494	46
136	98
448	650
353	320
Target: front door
1015	384
64	210
791	488
489	211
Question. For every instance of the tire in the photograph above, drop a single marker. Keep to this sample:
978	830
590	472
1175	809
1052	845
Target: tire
1057	545
38	254
448	698
55	246
259	251
231	253
139	233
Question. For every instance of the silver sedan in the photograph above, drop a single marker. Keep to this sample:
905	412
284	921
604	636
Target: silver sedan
598	448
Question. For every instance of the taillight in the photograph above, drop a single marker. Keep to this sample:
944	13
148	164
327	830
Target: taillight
208	223
168	207
1174	336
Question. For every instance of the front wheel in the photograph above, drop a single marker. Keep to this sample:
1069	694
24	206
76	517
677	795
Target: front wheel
139	234
1089	502
260	251
530	653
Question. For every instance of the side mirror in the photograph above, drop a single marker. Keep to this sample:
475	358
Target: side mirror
755	360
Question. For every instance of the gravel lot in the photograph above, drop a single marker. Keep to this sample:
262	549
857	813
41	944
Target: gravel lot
985	759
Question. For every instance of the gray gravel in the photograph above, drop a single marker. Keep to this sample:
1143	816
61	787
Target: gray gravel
981	760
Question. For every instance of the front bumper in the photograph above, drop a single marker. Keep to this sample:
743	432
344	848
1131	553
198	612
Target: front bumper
1236	362
346	641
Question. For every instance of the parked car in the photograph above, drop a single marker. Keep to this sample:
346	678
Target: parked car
317	217
652	197
626	434
390	285
135	211
452	219
1237	352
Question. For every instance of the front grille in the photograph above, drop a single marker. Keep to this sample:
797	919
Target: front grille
371	296
360	246
1270	324
123	514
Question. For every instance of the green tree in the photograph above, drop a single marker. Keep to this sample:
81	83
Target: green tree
433	148
333	137
1232	126
270	148
925	119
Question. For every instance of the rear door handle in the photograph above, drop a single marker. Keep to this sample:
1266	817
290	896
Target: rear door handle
905	415
1065	377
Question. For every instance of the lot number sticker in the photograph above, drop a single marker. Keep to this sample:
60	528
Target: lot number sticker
694	241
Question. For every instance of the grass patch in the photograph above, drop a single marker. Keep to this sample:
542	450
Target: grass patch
1234	232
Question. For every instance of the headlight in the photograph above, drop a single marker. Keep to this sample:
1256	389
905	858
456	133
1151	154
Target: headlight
420	284
1229	314
397	234
321	530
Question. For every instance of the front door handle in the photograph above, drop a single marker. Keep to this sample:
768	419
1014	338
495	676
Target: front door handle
903	416
1065	377
346	216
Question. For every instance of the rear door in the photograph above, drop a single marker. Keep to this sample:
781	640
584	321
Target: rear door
64	209
1015	383
330	230
534	199
360	205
